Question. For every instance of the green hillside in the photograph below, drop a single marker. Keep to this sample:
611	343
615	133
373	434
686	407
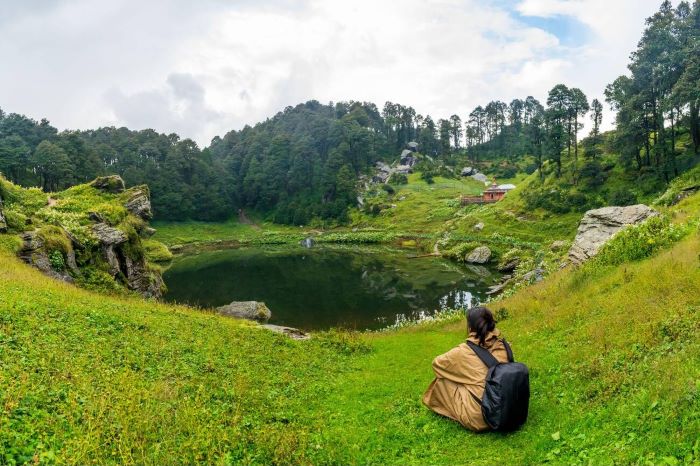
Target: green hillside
88	378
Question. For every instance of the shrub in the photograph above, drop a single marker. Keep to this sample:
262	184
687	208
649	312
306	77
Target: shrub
399	179
622	197
427	176
343	341
641	241
388	188
57	261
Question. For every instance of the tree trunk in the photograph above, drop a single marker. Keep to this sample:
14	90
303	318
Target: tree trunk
695	125
673	146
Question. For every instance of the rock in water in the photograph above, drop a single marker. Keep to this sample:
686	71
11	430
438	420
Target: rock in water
480	255
251	310
112	184
599	225
308	242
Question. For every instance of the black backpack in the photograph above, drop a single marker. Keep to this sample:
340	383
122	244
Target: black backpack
507	391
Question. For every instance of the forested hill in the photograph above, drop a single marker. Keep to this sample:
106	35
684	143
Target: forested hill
301	164
304	163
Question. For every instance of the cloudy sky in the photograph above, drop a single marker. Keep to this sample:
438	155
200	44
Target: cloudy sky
203	68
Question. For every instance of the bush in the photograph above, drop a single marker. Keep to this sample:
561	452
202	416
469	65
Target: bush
388	188
641	241
57	261
622	197
427	176
399	179
592	174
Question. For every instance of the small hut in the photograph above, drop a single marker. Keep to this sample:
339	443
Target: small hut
494	193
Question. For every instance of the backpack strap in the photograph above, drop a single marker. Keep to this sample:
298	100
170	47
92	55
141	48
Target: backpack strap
508	350
483	354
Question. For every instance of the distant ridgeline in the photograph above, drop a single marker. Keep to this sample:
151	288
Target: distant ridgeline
304	162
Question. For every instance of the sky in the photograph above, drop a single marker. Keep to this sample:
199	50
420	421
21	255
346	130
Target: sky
203	68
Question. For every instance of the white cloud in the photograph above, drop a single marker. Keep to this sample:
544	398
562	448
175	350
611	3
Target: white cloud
203	68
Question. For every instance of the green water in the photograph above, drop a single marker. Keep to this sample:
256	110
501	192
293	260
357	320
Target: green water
324	287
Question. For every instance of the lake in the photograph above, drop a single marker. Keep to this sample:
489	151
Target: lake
321	287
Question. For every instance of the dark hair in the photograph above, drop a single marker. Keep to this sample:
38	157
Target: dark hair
481	321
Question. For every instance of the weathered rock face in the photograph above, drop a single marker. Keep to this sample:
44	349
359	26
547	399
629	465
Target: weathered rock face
112	184
467	171
599	225
107	235
136	275
251	310
34	252
3	222
480	255
140	203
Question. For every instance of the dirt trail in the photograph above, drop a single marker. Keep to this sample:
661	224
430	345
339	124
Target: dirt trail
243	218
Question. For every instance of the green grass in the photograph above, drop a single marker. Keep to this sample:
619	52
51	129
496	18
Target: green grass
87	378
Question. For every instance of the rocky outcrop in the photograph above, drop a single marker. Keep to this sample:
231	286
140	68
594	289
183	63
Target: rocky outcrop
251	310
480	255
124	263
139	203
467	171
599	225
3	222
112	184
34	252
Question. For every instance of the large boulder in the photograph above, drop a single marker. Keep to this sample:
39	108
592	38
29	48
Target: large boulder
599	225
251	310
467	171
112	184
139	203
480	255
480	177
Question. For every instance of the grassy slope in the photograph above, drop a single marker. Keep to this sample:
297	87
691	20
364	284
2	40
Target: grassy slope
421	210
613	354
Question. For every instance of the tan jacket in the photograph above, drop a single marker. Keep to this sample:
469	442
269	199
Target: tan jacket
459	382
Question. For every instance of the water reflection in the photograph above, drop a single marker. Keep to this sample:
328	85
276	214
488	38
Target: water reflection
323	287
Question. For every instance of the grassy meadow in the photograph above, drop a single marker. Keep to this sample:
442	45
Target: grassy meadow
93	379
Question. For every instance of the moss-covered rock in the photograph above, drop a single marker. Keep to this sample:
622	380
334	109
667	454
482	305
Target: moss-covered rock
96	227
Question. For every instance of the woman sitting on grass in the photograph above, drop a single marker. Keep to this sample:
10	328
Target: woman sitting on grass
460	375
